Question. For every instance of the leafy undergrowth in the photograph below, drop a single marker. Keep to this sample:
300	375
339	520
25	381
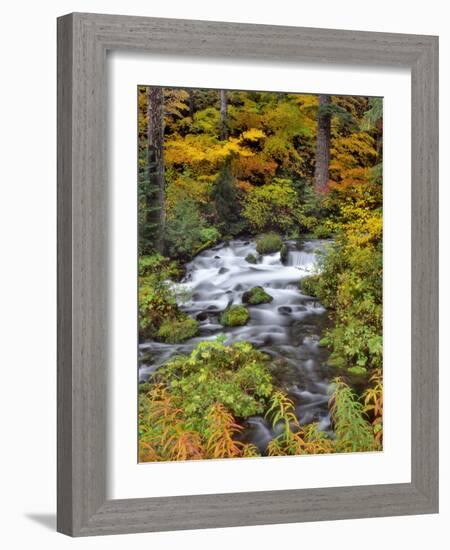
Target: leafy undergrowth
159	315
352	428
192	409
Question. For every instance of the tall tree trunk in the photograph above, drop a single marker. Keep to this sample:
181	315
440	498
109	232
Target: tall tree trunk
223	114
323	144
191	102
156	194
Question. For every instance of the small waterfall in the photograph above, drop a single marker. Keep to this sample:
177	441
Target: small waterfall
301	259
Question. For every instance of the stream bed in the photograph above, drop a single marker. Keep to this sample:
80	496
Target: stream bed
288	328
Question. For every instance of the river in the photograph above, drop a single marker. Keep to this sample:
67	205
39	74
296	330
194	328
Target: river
288	328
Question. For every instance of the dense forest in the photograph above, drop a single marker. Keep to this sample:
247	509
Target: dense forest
258	173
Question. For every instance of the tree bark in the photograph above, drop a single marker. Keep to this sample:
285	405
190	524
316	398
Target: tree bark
156	195
323	145
191	102
223	115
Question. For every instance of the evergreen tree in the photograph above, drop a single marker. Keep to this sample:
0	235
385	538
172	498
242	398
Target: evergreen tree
226	201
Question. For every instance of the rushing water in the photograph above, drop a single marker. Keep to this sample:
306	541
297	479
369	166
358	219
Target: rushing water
288	328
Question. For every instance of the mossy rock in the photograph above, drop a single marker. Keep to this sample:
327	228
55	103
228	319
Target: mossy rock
308	285
177	330
284	253
235	316
251	259
256	295
269	243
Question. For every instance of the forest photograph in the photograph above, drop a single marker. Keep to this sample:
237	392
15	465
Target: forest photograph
260	274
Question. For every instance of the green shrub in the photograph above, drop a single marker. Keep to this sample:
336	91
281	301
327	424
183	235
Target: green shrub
225	195
316	208
156	303
158	307
235	316
353	431
256	295
354	343
156	264
235	376
145	387
209	235
308	285
268	243
187	232
190	411
177	330
251	259
273	206
322	231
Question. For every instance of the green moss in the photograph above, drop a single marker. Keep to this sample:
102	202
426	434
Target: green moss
173	331
251	259
308	285
268	243
235	316
256	295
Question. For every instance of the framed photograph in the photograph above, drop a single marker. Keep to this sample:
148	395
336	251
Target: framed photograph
247	274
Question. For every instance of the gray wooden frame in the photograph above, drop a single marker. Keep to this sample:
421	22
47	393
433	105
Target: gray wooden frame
83	40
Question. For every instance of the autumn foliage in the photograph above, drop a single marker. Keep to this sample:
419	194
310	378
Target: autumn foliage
246	164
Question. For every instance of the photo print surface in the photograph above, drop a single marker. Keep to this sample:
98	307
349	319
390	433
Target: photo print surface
260	274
